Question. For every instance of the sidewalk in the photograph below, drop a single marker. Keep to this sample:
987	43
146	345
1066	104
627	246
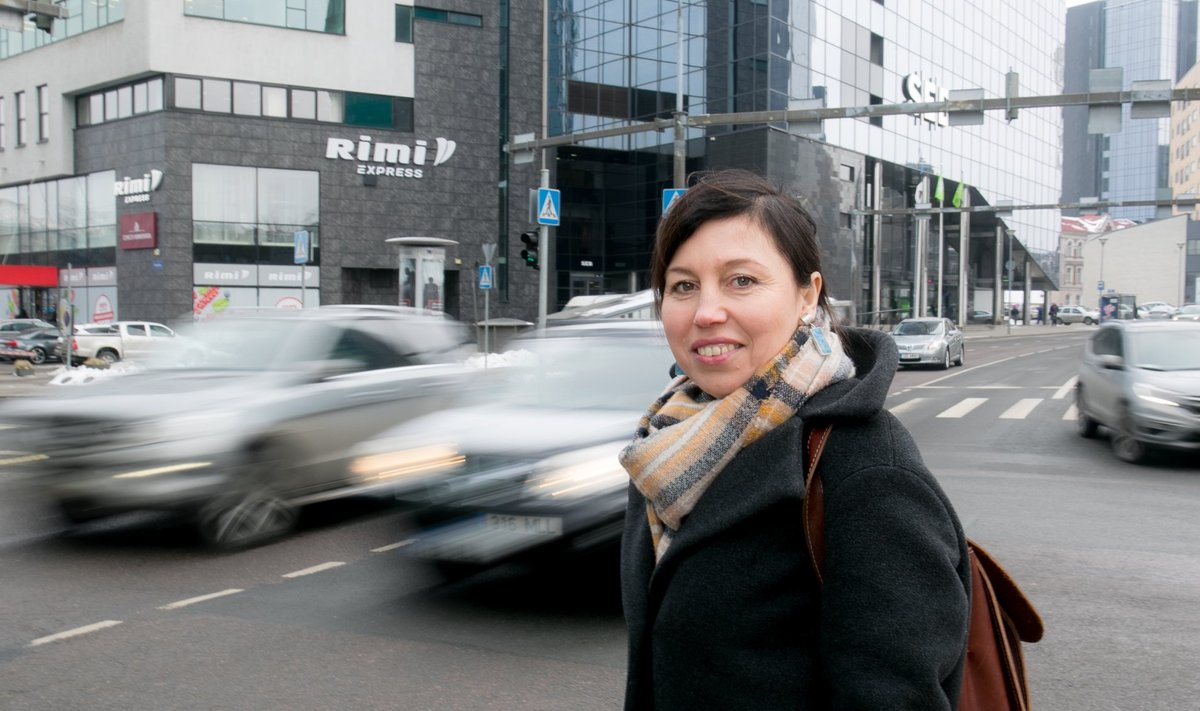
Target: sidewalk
977	331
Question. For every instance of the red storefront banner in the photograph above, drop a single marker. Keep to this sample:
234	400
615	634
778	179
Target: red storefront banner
139	231
25	275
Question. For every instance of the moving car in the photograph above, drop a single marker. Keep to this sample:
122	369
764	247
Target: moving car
256	426
531	471
979	316
1141	380
1078	314
929	341
19	325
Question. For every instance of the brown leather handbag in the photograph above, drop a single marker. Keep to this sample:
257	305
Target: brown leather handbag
1001	616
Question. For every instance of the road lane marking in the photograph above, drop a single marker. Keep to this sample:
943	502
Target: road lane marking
392	546
1071	412
74	633
314	569
201	598
962	408
1022	409
961	371
906	405
994	387
1066	388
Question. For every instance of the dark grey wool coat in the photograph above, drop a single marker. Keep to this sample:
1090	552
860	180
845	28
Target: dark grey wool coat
733	616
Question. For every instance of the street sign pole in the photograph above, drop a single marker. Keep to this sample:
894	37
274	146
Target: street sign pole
489	250
547	259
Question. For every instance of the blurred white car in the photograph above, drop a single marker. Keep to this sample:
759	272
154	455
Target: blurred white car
255	422
1188	312
530	471
1078	314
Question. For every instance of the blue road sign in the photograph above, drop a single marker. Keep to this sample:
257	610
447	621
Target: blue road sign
485	276
300	246
548	207
1100	287
670	195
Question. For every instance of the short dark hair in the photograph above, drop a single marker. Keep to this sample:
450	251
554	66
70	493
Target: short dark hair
735	193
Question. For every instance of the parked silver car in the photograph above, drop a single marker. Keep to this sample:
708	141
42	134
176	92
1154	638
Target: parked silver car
1078	314
255	424
530	470
1141	380
929	341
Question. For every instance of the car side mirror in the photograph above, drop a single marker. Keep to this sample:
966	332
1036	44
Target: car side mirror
1111	362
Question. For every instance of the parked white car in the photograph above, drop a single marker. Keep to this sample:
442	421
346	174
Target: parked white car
1078	314
119	340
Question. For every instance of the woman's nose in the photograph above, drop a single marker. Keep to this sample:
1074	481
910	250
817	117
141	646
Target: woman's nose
710	308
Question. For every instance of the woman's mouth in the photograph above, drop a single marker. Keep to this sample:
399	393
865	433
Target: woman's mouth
716	349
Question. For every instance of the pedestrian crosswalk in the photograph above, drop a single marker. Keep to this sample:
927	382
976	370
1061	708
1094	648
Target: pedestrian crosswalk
1002	402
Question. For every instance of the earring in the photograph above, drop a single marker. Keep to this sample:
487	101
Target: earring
808	318
816	334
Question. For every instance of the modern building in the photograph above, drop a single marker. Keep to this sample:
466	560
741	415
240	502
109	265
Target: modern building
615	64
167	159
1148	261
1148	39
1185	142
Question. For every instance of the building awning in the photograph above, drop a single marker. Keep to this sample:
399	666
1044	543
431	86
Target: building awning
28	275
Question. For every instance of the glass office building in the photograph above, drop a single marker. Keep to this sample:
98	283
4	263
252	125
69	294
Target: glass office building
617	63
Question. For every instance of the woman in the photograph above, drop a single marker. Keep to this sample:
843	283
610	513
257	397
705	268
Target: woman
722	603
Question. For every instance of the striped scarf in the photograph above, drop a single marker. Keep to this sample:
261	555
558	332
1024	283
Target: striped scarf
687	437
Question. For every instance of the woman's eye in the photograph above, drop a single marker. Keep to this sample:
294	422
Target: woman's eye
681	287
743	281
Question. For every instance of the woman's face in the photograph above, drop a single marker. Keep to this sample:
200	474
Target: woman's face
730	303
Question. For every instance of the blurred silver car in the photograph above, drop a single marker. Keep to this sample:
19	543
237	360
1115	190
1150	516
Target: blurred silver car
531	471
1078	314
1188	312
1141	380
929	341
254	422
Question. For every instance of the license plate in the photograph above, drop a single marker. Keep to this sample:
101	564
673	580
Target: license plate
536	525
910	356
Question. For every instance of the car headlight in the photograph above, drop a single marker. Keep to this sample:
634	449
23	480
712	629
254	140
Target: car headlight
933	346
411	461
1157	396
579	474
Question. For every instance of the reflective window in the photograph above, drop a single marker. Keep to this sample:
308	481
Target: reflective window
216	96
404	23
249	215
130	100
247	99
84	15
43	98
315	15
274	101
187	93
3	115
304	104
20	109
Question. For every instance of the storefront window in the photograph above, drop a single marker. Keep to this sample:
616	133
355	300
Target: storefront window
249	215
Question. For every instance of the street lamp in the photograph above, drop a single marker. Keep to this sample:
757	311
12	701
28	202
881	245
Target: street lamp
1182	273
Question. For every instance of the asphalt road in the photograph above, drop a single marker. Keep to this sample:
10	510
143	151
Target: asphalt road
134	614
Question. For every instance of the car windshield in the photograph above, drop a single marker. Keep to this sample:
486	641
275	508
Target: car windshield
1168	349
247	344
919	328
589	373
1191	309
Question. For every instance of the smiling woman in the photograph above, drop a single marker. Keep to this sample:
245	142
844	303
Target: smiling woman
736	616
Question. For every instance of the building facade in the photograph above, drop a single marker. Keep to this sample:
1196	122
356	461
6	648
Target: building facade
1076	233
1148	261
616	64
1148	39
171	160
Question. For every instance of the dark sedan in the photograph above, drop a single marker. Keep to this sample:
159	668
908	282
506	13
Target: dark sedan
37	345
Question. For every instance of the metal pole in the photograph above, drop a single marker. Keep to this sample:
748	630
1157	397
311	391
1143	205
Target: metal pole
680	131
486	345
941	261
877	242
997	293
964	260
546	258
302	289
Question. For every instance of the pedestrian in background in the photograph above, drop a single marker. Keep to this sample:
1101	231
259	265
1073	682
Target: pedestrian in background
1054	314
723	606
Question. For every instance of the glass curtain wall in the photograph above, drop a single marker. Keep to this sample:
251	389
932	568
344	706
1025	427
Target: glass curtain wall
59	222
84	15
249	215
315	15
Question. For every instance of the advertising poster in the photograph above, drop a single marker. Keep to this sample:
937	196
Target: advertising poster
288	298
102	304
209	301
11	305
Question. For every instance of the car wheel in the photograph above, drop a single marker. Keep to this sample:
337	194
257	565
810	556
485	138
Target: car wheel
962	356
1125	443
108	356
946	359
254	514
1085	425
39	356
1087	321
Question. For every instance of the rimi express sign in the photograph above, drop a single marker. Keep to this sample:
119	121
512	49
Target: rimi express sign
398	160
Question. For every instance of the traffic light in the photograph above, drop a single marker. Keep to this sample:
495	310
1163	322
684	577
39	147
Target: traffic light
530	253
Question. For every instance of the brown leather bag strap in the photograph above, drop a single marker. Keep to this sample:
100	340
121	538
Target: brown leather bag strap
814	497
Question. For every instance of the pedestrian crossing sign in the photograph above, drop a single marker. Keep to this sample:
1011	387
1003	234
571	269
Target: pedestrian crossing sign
485	276
669	196
548	207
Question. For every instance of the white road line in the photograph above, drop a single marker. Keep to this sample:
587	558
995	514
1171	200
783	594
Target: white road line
963	407
1066	388
393	546
906	405
934	387
314	569
1022	409
1022	355
961	371
1070	413
201	598
993	387
74	633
